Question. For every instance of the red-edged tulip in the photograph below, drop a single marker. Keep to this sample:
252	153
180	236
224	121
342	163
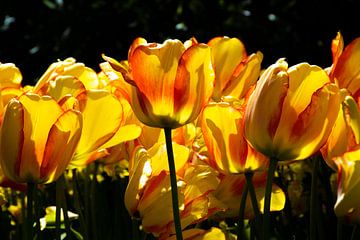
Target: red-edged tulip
171	82
38	139
292	110
223	131
148	194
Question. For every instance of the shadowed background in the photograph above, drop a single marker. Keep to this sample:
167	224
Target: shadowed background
33	34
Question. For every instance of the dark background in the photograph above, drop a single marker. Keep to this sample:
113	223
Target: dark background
33	34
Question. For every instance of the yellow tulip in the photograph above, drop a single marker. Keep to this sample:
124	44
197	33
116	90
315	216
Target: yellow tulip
235	71
291	112
38	139
148	194
171	82
223	131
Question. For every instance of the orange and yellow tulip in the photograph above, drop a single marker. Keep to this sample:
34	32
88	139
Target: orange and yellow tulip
148	194
291	112
171	82
235	71
38	138
223	131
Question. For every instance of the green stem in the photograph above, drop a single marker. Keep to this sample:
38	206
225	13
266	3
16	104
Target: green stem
78	205
174	192
30	216
93	200
313	199
241	233
58	210
23	212
64	207
37	216
254	202
267	201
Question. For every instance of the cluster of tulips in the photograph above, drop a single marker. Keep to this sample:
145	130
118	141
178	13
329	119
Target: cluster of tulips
199	130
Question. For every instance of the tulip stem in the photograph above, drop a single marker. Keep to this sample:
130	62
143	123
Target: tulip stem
267	201
174	192
78	204
64	207
58	210
30	216
241	233
254	202
313	198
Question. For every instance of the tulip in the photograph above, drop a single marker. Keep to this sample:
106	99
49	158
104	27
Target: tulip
292	111
38	139
148	194
171	82
223	131
289	116
235	71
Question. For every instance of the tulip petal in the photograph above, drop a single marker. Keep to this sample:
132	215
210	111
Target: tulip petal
227	54
36	130
103	115
347	72
60	146
11	147
193	84
65	85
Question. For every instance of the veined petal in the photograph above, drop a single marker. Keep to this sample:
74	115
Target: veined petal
61	144
194	83
139	175
200	180
245	75
156	198
347	72
264	107
40	113
313	126
103	115
223	134
227	54
12	137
